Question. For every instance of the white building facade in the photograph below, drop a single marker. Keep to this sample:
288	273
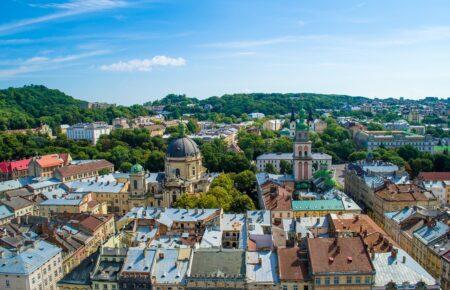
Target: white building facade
88	131
35	267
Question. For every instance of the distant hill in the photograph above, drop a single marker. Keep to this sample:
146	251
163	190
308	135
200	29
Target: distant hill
29	106
269	104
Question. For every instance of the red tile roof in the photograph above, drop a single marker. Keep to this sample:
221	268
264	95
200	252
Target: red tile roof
91	223
50	160
362	224
290	265
279	199
10	166
434	176
339	255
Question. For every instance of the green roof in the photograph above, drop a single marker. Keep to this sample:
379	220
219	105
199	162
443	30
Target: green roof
136	168
317	205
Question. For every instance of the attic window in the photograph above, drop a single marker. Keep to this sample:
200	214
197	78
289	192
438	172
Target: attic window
330	259
349	259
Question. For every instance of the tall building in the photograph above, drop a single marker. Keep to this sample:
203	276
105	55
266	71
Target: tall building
302	153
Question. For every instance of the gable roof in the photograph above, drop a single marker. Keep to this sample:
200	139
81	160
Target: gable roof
71	170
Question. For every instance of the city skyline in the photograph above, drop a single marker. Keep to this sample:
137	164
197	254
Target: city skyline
127	52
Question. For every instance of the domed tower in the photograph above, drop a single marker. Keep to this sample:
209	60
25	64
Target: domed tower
183	160
138	187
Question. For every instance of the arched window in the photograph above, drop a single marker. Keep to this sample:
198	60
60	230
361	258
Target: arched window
135	184
177	172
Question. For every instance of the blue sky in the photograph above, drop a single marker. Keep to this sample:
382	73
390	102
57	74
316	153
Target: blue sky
132	51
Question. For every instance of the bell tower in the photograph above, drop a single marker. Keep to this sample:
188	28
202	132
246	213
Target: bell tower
292	124
302	152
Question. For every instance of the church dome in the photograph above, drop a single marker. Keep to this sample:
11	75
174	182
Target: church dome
136	168
182	147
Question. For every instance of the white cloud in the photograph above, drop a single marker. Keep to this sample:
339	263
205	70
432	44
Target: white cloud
144	64
40	63
66	9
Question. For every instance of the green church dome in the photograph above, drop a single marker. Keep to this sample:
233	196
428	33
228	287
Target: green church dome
136	168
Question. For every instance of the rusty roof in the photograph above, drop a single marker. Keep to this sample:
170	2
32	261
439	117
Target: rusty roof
434	176
402	192
71	170
291	266
374	237
339	255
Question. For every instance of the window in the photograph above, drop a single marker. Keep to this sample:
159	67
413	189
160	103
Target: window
285	287
358	280
336	280
367	280
135	184
295	287
7	284
327	280
349	279
318	281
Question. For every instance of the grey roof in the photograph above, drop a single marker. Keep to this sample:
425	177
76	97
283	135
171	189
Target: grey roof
170	269
80	275
167	216
107	271
92	186
15	184
392	269
218	263
276	156
17	203
262	267
139	260
182	147
29	260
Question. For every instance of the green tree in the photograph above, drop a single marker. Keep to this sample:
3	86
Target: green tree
269	168
358	155
420	164
408	152
245	182
285	167
242	204
193	126
125	166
